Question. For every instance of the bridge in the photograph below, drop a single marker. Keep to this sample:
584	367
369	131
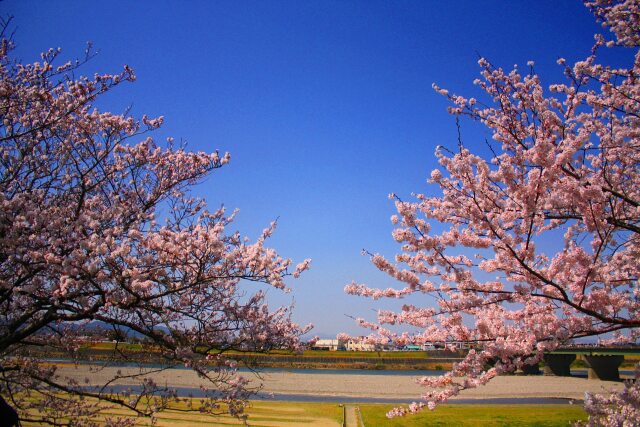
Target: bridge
602	362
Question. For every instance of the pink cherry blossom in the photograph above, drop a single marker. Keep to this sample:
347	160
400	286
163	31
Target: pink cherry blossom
97	223
539	244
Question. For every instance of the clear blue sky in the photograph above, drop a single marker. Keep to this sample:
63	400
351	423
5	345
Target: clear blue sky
325	106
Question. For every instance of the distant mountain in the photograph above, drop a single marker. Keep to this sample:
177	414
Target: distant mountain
97	326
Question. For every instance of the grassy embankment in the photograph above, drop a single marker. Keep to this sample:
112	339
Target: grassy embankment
341	359
306	353
290	414
309	359
477	415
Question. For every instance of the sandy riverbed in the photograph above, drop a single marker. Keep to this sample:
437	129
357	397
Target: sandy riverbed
361	385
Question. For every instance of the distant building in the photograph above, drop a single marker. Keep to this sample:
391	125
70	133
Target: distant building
331	345
460	345
412	348
358	345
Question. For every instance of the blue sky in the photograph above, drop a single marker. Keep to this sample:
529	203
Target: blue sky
325	106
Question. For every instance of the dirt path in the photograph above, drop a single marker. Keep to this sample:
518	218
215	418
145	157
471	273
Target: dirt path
350	416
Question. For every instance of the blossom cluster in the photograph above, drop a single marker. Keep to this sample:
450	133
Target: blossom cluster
97	225
540	242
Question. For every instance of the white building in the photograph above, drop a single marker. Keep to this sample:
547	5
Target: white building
331	345
357	345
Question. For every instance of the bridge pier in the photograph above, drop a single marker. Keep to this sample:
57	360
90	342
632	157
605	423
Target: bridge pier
558	364
604	367
530	369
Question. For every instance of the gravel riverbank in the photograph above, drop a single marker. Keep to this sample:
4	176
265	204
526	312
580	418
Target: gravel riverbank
357	385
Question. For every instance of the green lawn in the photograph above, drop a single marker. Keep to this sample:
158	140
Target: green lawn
297	414
477	415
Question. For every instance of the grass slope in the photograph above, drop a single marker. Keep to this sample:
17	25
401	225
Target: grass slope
477	415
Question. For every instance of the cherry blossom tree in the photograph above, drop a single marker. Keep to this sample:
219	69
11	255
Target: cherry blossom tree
97	225
537	241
